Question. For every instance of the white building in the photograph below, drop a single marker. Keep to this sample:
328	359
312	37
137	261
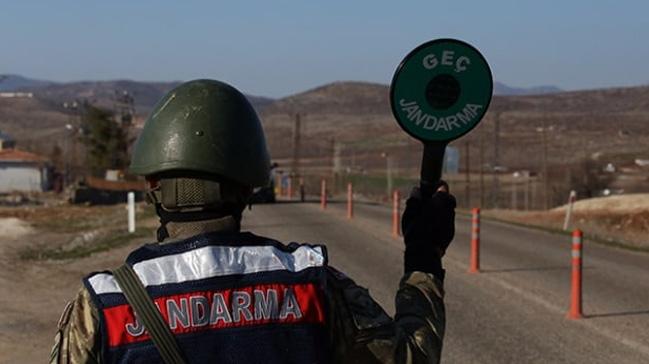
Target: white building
28	95
22	171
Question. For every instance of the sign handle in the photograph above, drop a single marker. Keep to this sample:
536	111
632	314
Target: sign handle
432	163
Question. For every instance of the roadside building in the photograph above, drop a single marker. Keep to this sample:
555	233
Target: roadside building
98	191
22	171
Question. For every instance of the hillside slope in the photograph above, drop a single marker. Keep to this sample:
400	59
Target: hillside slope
608	122
354	120
102	93
10	82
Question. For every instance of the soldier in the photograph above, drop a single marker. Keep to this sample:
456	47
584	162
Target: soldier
207	292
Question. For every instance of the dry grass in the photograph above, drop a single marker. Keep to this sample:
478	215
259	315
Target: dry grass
616	219
74	231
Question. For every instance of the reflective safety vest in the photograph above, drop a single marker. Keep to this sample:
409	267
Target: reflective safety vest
228	298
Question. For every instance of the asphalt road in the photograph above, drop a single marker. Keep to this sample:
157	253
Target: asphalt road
512	312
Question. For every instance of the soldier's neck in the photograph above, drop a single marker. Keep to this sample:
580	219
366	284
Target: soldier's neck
183	230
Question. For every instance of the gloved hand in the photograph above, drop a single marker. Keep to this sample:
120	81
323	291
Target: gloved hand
428	226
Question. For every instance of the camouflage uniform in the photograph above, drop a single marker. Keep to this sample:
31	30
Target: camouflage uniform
360	330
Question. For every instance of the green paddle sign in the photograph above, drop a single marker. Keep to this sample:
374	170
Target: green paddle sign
441	90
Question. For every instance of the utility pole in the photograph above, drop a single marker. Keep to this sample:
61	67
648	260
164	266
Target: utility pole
124	114
336	167
527	192
482	197
124	108
534	194
297	134
496	164
388	173
545	165
467	180
388	162
72	130
515	193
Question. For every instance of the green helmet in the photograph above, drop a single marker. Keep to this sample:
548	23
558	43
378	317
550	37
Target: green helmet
207	127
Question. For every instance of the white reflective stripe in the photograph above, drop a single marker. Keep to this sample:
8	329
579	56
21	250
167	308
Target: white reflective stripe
104	283
576	254
214	261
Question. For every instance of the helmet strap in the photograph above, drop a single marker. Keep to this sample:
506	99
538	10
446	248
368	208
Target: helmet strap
194	216
183	194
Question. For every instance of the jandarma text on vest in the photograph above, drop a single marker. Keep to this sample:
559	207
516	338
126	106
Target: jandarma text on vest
203	310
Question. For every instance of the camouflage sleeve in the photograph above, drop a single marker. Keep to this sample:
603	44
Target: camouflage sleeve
361	331
77	336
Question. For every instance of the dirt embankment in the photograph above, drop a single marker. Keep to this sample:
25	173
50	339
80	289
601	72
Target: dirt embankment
620	219
44	253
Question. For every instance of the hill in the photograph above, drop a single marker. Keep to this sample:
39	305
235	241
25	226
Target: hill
337	97
505	90
354	114
622	219
607	121
16	82
101	93
349	125
627	204
37	125
146	94
616	100
350	97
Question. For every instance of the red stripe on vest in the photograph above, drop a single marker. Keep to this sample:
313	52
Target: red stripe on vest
210	310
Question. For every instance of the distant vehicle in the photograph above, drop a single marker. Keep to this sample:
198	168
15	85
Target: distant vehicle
265	194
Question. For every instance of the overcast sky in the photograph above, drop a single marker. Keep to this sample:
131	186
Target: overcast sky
276	48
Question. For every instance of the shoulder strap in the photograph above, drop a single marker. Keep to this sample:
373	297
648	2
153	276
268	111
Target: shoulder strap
145	309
